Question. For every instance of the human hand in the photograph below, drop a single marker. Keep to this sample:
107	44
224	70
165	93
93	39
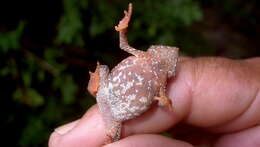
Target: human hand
217	99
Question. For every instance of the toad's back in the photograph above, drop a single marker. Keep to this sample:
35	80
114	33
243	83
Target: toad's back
132	86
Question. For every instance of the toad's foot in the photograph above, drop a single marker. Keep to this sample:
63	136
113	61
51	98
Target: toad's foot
123	24
93	83
163	100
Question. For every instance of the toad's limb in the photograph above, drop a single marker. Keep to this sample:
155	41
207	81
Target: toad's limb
113	130
98	86
122	29
163	100
93	83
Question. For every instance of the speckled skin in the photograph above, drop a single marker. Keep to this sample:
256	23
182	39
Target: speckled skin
131	87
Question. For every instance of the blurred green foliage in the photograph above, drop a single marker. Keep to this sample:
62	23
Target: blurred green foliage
70	26
44	81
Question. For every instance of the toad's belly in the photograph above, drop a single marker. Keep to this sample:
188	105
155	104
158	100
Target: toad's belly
132	89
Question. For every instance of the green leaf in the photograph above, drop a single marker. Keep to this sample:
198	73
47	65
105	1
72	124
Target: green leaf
11	40
35	99
101	22
68	89
51	54
41	76
4	71
17	95
33	132
70	25
57	82
27	79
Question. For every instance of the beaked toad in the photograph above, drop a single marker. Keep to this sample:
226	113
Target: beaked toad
131	87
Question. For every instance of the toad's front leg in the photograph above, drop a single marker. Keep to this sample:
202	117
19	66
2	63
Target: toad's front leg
94	79
98	86
113	130
163	100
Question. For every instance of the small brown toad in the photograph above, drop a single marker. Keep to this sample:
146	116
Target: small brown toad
131	87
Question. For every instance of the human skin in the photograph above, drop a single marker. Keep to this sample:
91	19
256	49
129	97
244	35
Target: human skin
218	100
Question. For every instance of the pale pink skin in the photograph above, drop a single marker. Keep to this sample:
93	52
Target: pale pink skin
218	96
131	87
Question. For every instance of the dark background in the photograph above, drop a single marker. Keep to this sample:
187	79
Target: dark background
47	48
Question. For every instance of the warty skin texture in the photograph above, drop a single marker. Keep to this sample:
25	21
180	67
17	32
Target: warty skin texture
132	86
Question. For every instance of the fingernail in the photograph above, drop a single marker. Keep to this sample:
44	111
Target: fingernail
66	128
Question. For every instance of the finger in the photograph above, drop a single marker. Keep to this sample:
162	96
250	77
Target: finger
66	128
193	135
224	93
219	94
89	131
254	62
61	131
148	140
249	137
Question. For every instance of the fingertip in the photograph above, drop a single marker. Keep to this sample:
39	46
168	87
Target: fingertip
54	139
66	128
59	132
88	131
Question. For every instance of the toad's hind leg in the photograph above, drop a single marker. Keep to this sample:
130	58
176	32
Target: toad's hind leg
122	29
